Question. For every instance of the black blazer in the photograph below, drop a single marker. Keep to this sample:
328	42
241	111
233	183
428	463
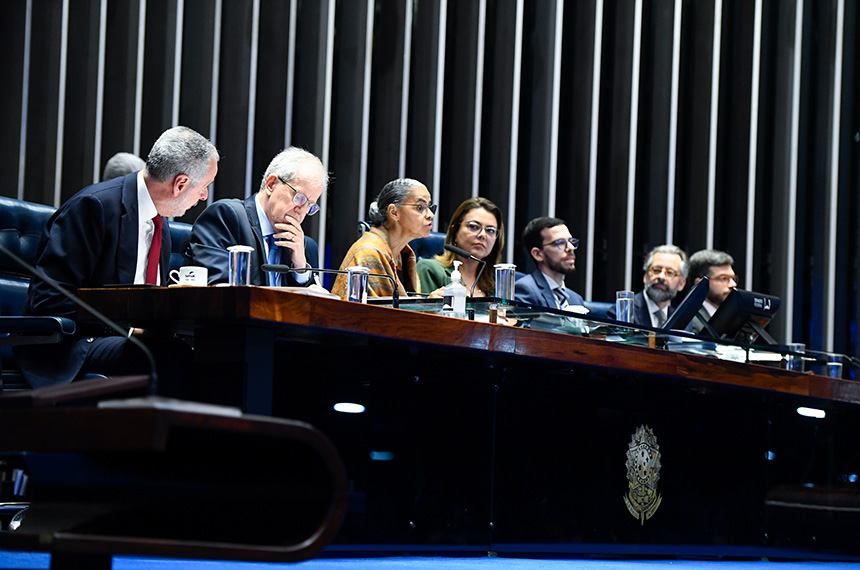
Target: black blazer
90	241
230	222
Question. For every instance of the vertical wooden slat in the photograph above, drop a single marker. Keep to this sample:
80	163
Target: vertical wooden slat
634	138
593	148
138	85
252	97
552	186
678	14
100	89
713	125
25	98
791	211
61	104
515	129
833	183
755	80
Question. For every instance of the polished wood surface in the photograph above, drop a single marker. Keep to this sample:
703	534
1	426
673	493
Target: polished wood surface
296	315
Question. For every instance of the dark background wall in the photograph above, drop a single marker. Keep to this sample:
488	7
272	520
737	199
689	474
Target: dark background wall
706	123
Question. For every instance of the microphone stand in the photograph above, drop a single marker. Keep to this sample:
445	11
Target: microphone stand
395	298
463	253
153	386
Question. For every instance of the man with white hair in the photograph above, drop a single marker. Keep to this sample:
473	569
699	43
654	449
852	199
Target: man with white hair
269	221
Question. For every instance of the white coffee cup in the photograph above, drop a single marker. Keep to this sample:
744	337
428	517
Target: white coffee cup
190	275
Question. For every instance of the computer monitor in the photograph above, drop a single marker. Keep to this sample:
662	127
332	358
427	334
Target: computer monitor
688	308
743	315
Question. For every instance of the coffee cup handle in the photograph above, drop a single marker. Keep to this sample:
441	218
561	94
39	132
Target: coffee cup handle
174	278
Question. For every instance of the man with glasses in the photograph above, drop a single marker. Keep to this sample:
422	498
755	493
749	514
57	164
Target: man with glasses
269	221
552	247
666	270
717	267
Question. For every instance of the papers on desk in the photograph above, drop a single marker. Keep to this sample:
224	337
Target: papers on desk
313	292
161	403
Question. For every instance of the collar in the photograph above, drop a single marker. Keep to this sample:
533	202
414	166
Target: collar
146	209
710	307
552	282
265	225
652	306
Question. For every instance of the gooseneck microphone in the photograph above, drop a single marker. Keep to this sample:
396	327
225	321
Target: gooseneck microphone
126	332
463	253
395	298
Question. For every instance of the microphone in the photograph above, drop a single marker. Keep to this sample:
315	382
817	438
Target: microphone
395	298
463	253
153	384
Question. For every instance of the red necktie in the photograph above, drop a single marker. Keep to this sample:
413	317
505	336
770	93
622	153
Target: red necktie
154	252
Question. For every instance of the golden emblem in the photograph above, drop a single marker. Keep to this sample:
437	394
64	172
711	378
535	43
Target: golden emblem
643	472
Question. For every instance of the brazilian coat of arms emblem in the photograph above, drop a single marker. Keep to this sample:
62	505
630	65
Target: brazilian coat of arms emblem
643	472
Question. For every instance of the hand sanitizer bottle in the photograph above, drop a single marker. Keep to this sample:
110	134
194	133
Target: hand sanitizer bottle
455	294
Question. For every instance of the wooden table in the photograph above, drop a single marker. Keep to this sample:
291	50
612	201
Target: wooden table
495	438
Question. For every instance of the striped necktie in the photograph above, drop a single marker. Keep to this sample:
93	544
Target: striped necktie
561	298
274	259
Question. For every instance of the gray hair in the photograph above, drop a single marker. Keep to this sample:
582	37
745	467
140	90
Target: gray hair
288	162
702	261
122	163
392	193
685	266
180	150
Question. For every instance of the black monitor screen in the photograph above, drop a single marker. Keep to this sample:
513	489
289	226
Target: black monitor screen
688	307
743	316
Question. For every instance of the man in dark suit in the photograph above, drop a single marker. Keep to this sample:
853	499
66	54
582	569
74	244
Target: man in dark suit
717	267
269	221
552	247
107	234
665	273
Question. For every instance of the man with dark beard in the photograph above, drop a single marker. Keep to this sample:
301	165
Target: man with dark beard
717	267
552	247
666	270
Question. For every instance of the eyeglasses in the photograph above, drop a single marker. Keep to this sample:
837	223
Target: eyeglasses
724	278
300	199
656	270
475	228
563	243
422	208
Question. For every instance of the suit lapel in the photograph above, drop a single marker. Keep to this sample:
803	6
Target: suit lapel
126	259
258	258
545	290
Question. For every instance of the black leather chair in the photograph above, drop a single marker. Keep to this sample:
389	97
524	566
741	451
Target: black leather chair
21	226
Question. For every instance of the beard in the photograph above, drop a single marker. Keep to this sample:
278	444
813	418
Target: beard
561	266
660	295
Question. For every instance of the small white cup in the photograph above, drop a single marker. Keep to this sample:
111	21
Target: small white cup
190	275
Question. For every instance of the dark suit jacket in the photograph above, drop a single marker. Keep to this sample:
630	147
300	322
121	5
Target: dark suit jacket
90	241
535	290
641	316
234	222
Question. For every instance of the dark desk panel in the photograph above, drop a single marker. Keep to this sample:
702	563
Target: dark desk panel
488	437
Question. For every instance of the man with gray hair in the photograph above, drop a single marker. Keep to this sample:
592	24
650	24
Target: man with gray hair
122	163
665	273
717	267
268	221
113	232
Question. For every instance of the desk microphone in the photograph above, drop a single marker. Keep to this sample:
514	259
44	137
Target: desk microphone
153	384
395	298
463	253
